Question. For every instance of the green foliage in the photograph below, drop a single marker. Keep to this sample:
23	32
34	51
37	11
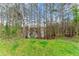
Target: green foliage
10	31
6	30
14	31
75	12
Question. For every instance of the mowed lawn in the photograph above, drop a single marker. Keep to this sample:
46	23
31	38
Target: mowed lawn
35	47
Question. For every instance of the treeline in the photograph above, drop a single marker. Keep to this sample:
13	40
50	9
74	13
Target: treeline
42	20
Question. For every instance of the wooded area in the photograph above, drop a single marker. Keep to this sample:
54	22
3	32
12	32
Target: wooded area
39	20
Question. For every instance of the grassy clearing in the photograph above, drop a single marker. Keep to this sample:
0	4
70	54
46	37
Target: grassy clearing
24	47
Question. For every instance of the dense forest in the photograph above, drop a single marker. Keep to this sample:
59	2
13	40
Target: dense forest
39	20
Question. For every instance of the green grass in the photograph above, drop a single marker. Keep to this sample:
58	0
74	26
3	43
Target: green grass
32	47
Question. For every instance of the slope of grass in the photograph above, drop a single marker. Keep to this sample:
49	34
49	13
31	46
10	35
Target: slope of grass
25	47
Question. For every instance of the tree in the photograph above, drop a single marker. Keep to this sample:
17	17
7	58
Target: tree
75	12
13	23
